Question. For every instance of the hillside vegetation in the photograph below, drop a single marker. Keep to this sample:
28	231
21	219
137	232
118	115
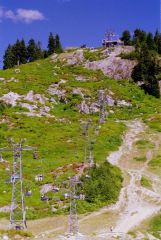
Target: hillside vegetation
48	102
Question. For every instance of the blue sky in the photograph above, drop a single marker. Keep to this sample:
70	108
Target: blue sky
76	21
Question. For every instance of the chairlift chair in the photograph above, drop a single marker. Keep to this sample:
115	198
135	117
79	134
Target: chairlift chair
35	155
28	193
19	227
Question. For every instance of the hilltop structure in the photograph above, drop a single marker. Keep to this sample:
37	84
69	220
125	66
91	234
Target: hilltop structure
111	40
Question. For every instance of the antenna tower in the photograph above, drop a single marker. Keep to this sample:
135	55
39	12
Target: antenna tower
17	210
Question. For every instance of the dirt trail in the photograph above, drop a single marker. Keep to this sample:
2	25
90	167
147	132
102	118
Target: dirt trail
135	203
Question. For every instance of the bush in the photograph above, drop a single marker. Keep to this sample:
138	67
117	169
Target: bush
129	56
103	185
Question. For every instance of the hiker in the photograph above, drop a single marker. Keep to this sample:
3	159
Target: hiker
111	228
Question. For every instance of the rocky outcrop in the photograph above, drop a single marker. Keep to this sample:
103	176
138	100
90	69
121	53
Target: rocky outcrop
35	97
70	58
34	103
83	108
11	98
113	66
46	188
78	91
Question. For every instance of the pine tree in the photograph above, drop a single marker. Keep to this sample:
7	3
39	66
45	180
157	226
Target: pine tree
23	52
157	40
150	41
39	52
146	71
58	46
140	36
51	44
9	58
126	37
32	50
17	52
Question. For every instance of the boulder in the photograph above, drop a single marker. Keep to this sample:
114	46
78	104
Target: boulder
83	108
78	91
94	108
11	98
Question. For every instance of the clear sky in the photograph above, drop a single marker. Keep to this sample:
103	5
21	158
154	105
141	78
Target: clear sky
76	21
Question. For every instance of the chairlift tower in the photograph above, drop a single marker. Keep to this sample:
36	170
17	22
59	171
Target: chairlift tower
86	135
73	218
17	209
102	106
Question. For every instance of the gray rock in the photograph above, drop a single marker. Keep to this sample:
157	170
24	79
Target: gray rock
46	188
83	108
123	103
110	101
78	91
11	98
94	108
113	66
80	78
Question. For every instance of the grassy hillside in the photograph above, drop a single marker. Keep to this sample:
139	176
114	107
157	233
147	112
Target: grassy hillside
58	134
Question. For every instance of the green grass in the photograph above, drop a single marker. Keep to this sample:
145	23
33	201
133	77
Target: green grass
93	55
97	188
12	233
59	139
129	56
154	122
155	226
145	182
142	144
155	163
140	159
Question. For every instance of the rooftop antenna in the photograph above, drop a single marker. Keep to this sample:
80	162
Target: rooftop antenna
17	209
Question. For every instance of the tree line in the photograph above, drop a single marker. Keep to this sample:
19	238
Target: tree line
147	51
21	53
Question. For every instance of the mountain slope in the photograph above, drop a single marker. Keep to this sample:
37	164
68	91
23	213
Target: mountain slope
47	102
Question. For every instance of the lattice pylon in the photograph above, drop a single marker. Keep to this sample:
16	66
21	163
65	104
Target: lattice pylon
102	104
17	211
73	218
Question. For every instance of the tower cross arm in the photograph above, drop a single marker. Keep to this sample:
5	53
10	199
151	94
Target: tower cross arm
18	149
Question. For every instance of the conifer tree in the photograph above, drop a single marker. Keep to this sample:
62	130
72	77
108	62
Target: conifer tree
9	58
139	35
23	52
126	37
39	52
31	50
146	71
58	46
150	41
51	44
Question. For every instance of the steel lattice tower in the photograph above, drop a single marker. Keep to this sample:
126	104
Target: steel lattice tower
73	218
102	106
86	135
17	210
